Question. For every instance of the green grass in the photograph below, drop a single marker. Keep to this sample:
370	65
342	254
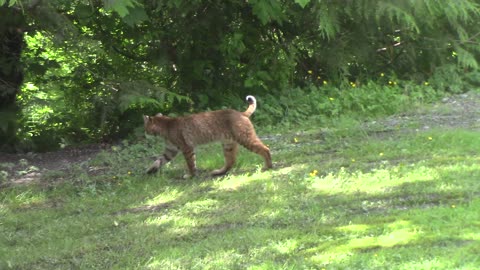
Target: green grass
378	200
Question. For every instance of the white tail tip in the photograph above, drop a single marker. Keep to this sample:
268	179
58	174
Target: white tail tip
251	99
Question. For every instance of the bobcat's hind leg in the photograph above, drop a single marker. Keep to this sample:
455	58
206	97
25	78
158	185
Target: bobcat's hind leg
189	154
230	149
255	145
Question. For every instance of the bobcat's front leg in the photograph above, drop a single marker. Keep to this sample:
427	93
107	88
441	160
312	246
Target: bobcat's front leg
230	149
170	152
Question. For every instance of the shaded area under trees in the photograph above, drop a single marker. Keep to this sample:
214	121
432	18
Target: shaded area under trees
92	67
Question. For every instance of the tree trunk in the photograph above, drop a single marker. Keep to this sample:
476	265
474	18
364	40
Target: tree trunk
12	25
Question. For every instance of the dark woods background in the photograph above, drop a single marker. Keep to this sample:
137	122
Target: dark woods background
85	70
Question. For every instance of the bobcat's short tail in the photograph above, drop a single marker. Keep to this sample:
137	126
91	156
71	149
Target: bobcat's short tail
252	105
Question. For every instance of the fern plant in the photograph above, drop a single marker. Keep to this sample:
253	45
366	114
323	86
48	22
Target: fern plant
142	95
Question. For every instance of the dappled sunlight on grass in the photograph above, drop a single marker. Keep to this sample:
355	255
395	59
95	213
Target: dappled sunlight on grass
354	228
397	237
372	182
290	169
24	198
168	195
234	182
285	247
363	238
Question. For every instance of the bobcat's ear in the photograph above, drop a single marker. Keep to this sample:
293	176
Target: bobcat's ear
146	119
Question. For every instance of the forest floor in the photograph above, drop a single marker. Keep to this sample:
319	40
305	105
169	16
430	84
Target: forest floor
398	192
457	111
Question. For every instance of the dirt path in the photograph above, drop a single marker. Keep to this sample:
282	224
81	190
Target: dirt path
25	168
459	111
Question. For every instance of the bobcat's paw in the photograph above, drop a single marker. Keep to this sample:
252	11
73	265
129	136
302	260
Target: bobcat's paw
191	174
187	176
154	168
264	169
219	172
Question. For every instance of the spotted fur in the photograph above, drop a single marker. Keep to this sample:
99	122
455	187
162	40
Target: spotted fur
183	134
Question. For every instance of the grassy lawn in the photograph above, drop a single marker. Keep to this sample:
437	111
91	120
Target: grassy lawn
343	197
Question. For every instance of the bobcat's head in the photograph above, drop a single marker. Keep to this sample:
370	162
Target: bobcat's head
151	127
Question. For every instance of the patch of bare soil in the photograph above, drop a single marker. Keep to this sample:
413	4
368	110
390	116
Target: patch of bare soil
29	167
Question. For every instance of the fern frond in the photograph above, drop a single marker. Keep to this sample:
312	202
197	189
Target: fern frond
329	24
466	58
397	14
142	94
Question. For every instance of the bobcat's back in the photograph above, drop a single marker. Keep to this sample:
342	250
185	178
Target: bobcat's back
212	126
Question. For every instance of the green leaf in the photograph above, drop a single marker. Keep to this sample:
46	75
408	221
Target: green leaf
9	2
135	15
121	7
302	3
267	10
83	11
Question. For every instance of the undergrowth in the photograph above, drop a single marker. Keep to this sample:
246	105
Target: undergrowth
358	101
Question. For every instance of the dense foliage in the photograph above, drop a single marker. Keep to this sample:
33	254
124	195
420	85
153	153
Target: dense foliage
92	67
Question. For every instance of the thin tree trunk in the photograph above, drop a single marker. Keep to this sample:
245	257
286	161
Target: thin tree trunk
12	25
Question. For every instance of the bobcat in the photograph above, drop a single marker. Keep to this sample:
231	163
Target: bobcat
184	133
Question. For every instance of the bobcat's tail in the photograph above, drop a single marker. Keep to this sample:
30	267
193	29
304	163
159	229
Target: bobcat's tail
251	107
